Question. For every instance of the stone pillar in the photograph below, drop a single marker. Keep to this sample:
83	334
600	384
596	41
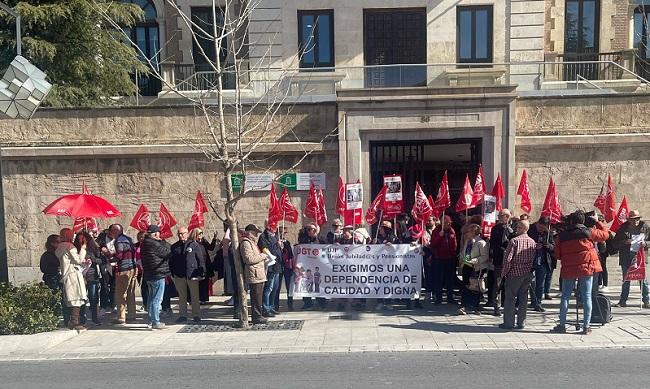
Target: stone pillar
551	71
628	62
168	74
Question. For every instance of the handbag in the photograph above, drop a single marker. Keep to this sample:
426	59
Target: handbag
477	282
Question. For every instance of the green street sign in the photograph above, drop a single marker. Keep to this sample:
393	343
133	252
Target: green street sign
237	181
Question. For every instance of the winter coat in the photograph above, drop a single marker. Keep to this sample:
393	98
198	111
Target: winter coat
479	255
574	248
70	262
547	253
209	263
177	260
154	257
253	259
304	238
96	263
499	238
444	247
269	241
194	259
625	232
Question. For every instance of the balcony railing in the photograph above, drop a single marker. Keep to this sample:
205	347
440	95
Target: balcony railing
614	72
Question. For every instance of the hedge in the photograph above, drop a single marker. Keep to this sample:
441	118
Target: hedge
28	309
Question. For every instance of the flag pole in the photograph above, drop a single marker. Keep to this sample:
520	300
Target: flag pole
381	214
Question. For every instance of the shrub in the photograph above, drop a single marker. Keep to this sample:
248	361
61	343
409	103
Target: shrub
28	309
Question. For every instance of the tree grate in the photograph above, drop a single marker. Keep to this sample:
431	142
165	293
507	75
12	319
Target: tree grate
230	326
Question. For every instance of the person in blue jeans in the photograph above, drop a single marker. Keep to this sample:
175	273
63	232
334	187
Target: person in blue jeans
154	254
575	249
270	242
632	229
544	261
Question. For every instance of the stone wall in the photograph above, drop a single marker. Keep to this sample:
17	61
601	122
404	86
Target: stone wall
579	141
30	185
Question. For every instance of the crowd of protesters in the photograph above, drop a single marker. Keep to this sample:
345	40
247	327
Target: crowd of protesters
99	273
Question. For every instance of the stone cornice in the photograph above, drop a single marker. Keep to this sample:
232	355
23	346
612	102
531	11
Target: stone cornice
580	141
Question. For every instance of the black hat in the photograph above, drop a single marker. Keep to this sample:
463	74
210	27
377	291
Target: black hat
153	229
253	228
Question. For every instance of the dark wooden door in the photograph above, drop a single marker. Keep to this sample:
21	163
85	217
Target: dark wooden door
395	37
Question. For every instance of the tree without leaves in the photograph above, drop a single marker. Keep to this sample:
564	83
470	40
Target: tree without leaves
236	126
84	56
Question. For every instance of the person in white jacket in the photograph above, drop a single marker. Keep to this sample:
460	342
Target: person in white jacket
71	263
474	258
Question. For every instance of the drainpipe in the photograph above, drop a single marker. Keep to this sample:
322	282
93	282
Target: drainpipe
4	265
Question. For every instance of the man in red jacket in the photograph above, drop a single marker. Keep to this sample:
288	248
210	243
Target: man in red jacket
575	249
444	250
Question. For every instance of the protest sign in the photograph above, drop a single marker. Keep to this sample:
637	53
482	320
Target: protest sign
393	202
357	271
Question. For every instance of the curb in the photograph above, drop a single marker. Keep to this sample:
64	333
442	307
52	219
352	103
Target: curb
34	343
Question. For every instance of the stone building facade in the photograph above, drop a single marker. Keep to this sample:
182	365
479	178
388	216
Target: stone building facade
413	87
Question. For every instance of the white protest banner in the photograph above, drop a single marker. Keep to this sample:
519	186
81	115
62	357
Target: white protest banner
357	271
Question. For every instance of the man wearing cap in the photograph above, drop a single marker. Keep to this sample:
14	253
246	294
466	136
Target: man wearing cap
386	234
334	236
254	271
632	229
155	267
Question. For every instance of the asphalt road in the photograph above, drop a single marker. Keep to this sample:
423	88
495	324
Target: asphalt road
481	369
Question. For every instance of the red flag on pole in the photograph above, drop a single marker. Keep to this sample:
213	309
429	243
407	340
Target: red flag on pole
434	210
322	211
498	192
601	200
443	200
141	219
479	188
421	207
551	206
636	271
610	201
621	215
199	204
465	199
524	192
275	213
165	221
311	208
376	206
196	221
340	199
289	211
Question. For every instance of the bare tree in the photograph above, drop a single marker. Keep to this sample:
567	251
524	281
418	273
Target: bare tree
237	122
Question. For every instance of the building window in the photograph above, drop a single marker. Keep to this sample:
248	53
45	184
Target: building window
581	26
205	52
642	39
474	34
316	38
145	33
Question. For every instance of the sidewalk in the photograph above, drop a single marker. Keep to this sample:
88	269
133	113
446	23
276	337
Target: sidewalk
436	328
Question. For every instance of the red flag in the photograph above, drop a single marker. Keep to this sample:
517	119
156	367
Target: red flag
165	221
610	202
601	200
636	271
434	210
141	219
443	201
196	221
352	217
322	211
199	204
421	207
551	206
340	199
288	210
498	192
275	213
465	198
524	192
81	223
621	215
376	206
311	208
479	188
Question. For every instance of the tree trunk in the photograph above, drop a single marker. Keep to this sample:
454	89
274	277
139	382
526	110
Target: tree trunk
239	271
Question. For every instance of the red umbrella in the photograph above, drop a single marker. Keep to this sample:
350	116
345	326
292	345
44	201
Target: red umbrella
82	205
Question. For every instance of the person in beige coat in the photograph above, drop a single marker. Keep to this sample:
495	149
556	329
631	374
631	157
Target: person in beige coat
71	263
254	270
474	258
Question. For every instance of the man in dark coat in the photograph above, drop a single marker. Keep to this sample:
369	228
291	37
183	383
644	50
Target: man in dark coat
499	239
632	229
544	261
154	254
269	242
